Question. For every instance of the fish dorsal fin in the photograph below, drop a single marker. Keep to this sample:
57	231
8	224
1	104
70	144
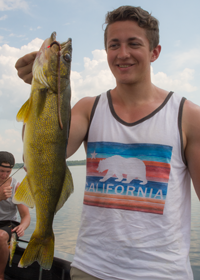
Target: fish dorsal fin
22	115
23	194
67	189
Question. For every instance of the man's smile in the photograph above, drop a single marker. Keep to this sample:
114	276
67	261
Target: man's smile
124	65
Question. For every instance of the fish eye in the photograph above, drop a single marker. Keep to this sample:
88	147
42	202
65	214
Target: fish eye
67	57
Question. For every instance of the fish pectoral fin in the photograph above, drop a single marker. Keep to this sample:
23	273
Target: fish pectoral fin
23	194
67	189
22	115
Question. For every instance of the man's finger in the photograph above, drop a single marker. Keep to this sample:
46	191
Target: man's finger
25	60
25	73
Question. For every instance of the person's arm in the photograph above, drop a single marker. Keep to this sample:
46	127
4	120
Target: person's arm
25	220
191	140
24	67
80	118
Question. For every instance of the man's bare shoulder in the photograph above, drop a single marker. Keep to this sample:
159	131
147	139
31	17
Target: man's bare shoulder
191	115
84	105
86	100
191	122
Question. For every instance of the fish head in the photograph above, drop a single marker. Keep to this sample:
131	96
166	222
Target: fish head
46	68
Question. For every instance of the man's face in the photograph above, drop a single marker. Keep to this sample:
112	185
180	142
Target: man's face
4	172
128	52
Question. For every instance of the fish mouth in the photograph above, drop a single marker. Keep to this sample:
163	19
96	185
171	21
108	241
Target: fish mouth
63	47
67	46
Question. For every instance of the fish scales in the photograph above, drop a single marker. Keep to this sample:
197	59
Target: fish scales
48	182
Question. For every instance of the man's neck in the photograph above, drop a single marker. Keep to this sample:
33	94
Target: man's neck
137	94
132	103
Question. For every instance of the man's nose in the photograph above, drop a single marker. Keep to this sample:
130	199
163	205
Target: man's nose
123	52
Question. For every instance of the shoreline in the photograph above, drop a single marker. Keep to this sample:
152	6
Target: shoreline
69	163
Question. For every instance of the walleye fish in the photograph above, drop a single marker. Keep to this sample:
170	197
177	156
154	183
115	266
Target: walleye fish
12	247
46	113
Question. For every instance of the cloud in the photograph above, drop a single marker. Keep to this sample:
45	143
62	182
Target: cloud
3	17
34	29
14	91
5	29
190	58
17	36
6	5
179	82
93	80
97	78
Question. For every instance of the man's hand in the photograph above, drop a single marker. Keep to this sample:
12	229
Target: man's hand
19	230
24	67
5	192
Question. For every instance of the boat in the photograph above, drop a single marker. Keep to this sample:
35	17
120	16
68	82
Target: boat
60	269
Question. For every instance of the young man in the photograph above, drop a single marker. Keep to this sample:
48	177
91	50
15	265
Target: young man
143	144
8	210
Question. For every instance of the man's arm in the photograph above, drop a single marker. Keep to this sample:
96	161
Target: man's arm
191	140
25	220
80	119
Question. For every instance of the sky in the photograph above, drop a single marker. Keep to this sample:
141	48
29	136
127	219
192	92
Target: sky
24	24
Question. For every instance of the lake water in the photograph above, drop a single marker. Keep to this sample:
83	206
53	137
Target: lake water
67	220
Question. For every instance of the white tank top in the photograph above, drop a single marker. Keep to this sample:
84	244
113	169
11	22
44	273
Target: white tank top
136	214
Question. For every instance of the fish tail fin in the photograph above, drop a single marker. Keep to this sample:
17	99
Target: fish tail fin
67	189
40	250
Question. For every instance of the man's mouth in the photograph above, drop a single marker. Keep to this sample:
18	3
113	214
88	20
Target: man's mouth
124	65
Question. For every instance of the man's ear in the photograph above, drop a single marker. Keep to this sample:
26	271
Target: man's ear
155	53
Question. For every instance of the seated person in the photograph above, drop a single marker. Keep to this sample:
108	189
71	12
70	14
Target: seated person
8	210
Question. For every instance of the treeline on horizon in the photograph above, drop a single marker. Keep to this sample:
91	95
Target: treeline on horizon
69	163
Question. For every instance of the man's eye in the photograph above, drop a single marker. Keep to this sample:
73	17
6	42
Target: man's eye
134	44
113	46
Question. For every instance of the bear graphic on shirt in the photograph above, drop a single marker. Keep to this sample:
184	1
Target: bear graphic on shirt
134	168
